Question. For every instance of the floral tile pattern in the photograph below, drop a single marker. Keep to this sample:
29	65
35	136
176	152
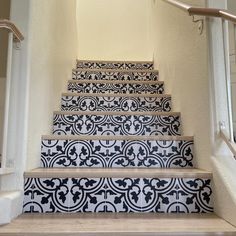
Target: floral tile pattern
115	65
116	124
98	103
117	153
115	75
166	195
100	87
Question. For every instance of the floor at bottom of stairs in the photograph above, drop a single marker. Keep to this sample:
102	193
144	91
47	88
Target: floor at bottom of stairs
99	224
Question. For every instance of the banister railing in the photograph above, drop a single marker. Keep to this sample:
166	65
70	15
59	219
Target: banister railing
225	16
15	36
6	24
201	11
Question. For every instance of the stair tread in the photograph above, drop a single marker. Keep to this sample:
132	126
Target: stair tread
84	81
110	137
117	172
115	61
133	113
116	70
100	224
116	95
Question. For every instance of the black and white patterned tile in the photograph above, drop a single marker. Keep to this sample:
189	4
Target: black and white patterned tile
44	195
115	103
115	75
123	88
115	65
99	124
117	153
160	195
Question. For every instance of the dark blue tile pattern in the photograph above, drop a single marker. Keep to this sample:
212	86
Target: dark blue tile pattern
117	153
115	65
165	195
120	88
115	75
94	124
115	103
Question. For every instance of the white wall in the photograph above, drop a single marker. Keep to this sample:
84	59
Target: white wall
113	30
182	59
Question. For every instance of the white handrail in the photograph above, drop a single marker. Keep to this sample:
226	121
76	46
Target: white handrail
230	144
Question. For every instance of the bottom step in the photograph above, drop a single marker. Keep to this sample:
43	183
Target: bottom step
118	224
117	190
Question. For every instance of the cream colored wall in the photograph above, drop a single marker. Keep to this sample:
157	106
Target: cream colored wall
182	58
113	30
53	46
2	94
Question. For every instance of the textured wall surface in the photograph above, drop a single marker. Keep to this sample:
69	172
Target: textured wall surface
113	30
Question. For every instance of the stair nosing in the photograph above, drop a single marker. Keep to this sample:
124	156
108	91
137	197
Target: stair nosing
110	137
115	82
117	173
115	95
117	113
115	61
115	70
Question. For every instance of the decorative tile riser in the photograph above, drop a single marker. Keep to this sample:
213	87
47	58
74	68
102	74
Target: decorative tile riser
117	153
84	87
93	103
165	195
116	125
115	65
120	76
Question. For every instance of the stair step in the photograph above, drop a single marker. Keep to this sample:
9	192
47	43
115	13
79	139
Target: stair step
120	75
113	86
116	123
124	65
116	173
116	102
112	224
115	190
117	151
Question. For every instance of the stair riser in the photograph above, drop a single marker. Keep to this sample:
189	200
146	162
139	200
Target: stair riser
115	65
120	76
84	87
116	125
93	103
162	195
117	153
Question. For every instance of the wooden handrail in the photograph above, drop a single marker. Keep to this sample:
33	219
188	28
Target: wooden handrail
201	11
6	24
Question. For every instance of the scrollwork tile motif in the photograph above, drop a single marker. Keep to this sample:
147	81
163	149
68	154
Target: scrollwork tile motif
98	103
116	124
117	153
99	87
114	75
161	195
115	65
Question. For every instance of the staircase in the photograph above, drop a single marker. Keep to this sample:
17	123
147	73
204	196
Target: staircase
117	147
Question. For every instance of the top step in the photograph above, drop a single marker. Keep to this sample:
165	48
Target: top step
115	65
